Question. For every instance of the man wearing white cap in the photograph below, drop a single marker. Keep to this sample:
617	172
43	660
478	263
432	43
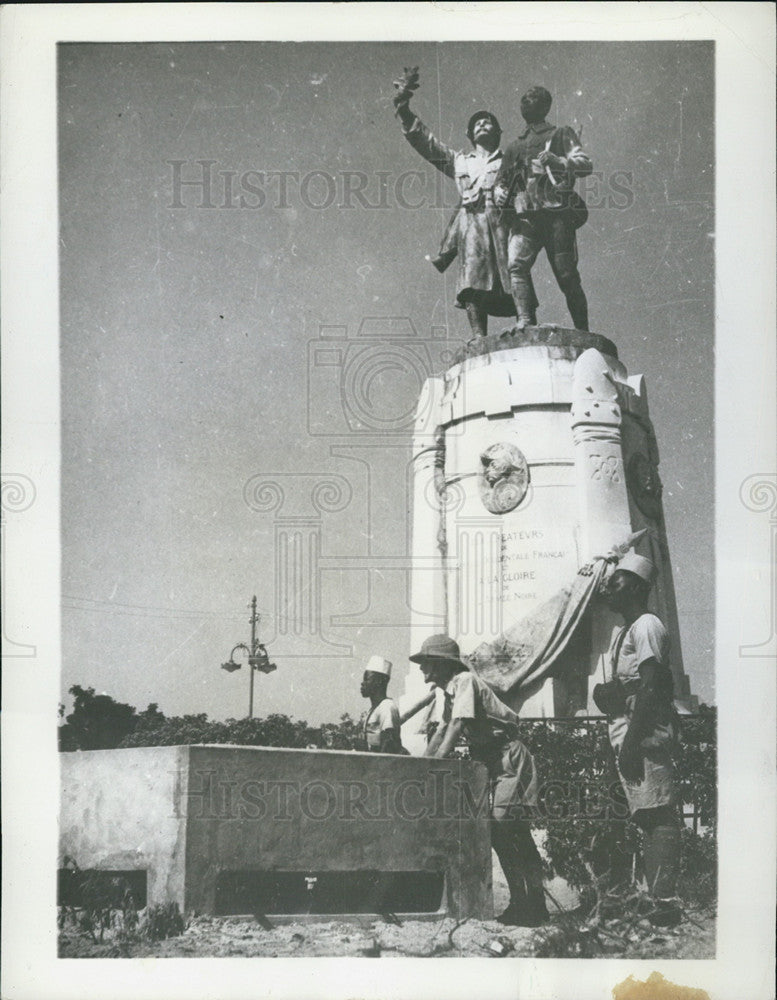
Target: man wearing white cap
643	725
381	727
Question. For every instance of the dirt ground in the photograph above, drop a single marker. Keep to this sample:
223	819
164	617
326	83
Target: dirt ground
221	937
213	937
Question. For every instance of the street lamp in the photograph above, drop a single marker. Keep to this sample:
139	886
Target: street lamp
257	658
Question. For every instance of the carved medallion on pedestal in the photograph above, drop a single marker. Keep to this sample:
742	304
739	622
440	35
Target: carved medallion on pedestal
503	478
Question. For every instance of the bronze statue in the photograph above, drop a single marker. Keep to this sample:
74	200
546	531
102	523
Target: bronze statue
535	185
478	231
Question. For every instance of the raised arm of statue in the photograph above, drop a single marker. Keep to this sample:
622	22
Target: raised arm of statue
416	133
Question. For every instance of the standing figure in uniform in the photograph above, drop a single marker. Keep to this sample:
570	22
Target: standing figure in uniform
381	727
478	231
643	727
537	179
474	712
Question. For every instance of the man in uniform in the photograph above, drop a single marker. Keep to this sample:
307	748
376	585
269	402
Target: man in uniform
536	180
381	727
478	232
643	726
474	712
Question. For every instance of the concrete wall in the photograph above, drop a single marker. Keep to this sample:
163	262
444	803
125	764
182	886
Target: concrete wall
292	810
122	809
187	814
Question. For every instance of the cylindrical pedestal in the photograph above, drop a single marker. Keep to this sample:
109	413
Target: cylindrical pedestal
545	458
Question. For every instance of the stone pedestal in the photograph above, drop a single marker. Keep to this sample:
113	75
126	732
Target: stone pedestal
533	455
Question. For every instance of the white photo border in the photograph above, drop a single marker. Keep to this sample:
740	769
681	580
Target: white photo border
745	447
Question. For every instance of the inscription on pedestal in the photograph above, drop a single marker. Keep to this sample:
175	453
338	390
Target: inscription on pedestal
529	559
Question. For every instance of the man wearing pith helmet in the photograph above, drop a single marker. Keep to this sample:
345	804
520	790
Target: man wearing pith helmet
472	711
644	725
381	727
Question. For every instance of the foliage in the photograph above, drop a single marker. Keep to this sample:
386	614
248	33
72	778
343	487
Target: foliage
582	809
273	731
581	804
98	722
346	734
697	764
95	901
162	921
697	882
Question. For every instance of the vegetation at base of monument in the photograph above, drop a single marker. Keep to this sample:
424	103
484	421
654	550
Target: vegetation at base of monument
600	857
97	722
96	901
602	852
162	921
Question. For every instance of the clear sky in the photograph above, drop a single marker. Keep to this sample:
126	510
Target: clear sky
189	324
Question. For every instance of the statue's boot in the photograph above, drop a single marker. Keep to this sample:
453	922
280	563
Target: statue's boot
525	298
478	319
578	307
564	266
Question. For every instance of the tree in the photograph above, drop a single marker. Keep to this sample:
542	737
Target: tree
98	722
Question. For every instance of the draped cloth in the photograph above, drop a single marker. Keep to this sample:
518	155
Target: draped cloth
526	653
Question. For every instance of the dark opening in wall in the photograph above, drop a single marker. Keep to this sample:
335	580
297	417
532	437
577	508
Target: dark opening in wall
306	892
97	888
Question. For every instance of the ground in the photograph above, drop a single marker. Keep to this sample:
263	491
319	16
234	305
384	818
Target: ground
567	934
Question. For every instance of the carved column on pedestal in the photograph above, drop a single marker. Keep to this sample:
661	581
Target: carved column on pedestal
428	605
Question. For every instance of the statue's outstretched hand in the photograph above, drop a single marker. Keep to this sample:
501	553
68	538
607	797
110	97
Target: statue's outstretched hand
405	86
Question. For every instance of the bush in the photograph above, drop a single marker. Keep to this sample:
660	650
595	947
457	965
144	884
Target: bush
697	882
589	842
162	921
272	731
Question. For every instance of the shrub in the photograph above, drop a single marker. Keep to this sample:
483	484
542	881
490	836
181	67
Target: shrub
162	921
589	842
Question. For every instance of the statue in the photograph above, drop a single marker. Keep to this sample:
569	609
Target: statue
536	185
478	231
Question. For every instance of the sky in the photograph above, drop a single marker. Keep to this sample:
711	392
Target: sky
206	339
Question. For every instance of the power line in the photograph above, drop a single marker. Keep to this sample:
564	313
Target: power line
103	604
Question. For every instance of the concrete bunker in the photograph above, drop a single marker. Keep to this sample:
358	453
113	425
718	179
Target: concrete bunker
278	832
